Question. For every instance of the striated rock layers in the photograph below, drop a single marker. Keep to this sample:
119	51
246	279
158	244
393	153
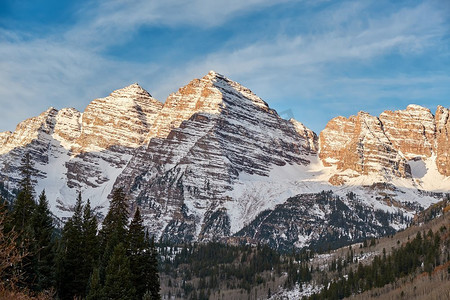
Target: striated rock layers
111	128
208	133
442	147
87	146
178	160
367	144
216	161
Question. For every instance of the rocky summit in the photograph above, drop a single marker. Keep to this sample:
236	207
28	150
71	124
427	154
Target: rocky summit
386	144
215	162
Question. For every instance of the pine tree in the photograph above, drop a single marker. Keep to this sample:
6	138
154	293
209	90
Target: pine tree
154	287
89	242
70	263
143	259
24	204
136	234
27	171
95	287
43	246
114	229
118	280
139	254
21	216
115	223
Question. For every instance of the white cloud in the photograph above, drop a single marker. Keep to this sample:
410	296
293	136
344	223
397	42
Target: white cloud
314	54
70	69
37	74
110	21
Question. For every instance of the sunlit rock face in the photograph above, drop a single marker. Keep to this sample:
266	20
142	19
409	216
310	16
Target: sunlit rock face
208	133
359	143
442	144
367	144
124	118
215	161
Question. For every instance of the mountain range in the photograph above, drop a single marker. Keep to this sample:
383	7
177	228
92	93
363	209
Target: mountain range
215	162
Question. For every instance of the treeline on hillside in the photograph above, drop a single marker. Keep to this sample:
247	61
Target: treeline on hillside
78	262
201	271
424	253
434	211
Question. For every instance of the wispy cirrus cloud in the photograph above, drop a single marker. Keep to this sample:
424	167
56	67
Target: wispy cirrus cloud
109	21
325	56
284	60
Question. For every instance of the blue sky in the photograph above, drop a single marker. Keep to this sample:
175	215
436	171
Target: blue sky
313	59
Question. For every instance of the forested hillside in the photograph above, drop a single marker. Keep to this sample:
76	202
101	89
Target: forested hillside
122	261
416	257
78	261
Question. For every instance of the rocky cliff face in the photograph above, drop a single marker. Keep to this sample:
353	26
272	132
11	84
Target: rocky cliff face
359	143
443	140
81	151
216	161
384	145
411	131
122	119
208	133
67	127
111	129
29	131
35	136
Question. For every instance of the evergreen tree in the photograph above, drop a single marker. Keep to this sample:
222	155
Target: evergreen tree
70	263
24	204
154	287
114	229
143	260
89	242
21	217
27	172
139	254
43	246
95	288
118	279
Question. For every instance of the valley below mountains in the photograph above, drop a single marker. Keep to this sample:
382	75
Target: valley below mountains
215	163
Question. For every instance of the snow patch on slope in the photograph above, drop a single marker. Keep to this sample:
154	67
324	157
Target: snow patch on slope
62	198
253	194
299	291
427	176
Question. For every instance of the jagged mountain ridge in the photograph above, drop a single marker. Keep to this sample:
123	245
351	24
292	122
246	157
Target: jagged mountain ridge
215	157
81	151
230	131
367	144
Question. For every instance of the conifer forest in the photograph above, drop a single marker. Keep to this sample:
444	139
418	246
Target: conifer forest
83	258
75	261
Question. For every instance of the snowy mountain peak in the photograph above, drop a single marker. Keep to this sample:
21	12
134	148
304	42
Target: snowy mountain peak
415	107
122	119
210	133
212	94
309	135
50	110
215	156
211	74
132	91
29	130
